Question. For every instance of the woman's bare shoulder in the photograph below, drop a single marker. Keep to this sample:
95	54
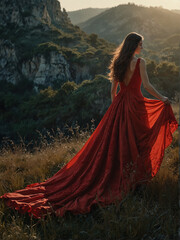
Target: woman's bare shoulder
142	62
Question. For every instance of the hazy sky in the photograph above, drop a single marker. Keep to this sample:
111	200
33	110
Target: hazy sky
71	5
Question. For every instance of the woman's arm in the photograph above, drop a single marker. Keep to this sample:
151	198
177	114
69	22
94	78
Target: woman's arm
147	85
114	86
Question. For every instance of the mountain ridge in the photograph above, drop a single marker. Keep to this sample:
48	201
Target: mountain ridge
82	15
114	23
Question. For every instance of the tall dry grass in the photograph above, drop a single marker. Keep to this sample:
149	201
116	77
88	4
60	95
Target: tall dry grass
150	212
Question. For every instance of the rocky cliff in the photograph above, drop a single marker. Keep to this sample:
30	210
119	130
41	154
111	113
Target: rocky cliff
38	42
30	13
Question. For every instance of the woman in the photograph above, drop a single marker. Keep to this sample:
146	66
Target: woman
124	62
125	150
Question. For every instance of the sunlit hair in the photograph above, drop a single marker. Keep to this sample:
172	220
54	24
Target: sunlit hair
123	55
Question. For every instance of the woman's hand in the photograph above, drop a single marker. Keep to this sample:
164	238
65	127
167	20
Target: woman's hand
165	100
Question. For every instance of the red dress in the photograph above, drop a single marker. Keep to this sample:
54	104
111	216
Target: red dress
125	150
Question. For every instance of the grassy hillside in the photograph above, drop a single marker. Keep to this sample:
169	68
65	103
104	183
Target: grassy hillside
151	212
83	15
152	22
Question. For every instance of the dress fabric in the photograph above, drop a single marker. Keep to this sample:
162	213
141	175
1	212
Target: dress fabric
125	150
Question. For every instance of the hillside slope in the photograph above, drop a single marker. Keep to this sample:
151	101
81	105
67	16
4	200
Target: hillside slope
83	15
153	23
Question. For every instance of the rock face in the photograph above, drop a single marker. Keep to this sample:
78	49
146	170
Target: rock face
43	71
8	62
34	17
23	13
81	73
39	69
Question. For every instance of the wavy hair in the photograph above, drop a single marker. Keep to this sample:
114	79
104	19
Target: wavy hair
122	56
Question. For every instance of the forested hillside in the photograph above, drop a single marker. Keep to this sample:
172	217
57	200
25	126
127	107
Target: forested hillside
41	48
154	23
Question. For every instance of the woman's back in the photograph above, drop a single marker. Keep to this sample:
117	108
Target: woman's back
132	82
130	71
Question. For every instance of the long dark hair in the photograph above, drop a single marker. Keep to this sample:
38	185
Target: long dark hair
122	56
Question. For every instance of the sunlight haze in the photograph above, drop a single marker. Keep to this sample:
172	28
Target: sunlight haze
71	5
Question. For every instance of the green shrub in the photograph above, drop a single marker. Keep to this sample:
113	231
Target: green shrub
68	87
